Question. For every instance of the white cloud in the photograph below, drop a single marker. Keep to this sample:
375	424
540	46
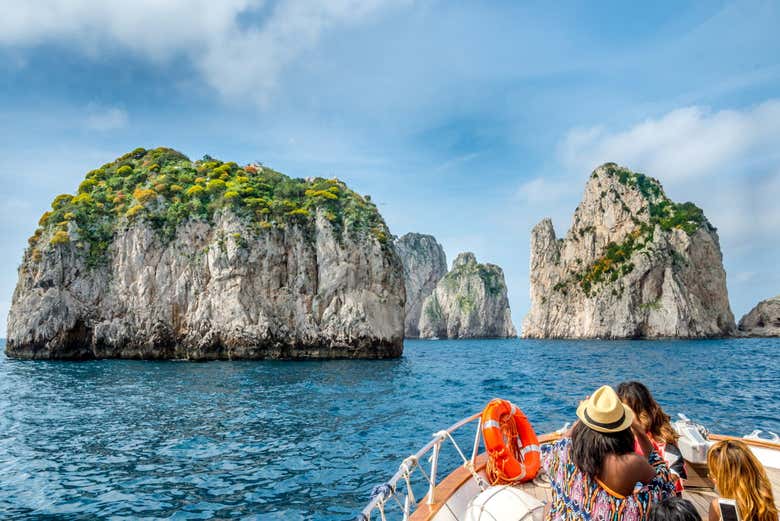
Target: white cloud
240	47
727	161
455	161
150	27
105	118
546	191
684	144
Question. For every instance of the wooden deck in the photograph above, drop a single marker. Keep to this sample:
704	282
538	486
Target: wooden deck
698	487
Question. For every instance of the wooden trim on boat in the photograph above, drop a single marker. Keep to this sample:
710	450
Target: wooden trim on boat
765	444
457	479
446	489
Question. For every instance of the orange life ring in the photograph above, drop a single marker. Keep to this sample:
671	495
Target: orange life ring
511	443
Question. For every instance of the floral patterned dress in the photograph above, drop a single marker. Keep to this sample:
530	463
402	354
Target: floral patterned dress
673	458
577	496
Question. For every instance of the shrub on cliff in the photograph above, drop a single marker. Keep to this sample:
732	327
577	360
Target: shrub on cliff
215	186
60	237
60	201
144	195
195	191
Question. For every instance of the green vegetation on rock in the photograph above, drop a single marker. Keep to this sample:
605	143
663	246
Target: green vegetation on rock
614	263
494	281
654	305
164	188
615	260
663	211
433	309
466	303
490	275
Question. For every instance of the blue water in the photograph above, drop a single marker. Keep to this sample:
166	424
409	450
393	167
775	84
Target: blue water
307	440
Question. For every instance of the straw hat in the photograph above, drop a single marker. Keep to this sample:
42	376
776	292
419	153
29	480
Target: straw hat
604	412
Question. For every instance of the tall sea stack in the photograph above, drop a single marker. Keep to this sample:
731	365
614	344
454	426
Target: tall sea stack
634	264
469	302
157	256
424	265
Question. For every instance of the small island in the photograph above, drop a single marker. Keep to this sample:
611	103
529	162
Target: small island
160	257
763	320
634	264
470	301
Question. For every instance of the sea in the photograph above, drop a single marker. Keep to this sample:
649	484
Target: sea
117	439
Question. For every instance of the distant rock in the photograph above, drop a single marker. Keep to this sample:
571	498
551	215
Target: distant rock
762	320
469	302
157	256
634	264
424	265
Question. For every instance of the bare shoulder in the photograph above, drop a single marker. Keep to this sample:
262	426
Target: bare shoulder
621	473
638	467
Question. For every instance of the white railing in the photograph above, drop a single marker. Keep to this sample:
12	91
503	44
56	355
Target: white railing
401	500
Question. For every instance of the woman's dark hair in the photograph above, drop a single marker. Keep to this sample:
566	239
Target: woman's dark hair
673	509
655	421
589	447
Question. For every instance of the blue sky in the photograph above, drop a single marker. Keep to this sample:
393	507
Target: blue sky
467	120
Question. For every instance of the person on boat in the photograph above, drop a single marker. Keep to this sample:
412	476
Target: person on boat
738	475
594	471
674	509
657	425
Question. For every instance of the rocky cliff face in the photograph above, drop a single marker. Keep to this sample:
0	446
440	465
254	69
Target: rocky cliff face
159	257
424	265
762	320
634	264
469	302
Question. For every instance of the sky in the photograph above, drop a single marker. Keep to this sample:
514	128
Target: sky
470	121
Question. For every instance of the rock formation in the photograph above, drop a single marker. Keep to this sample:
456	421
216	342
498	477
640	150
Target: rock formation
634	264
424	265
160	257
762	320
469	302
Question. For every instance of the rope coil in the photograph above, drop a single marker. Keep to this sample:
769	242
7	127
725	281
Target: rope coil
496	473
406	468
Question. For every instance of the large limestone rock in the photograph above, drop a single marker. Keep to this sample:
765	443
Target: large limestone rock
762	320
251	279
634	264
424	265
469	302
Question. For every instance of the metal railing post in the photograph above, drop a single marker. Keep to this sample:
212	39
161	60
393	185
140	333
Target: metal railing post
434	466
475	450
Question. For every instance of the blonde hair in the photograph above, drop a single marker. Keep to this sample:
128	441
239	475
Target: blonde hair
741	477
